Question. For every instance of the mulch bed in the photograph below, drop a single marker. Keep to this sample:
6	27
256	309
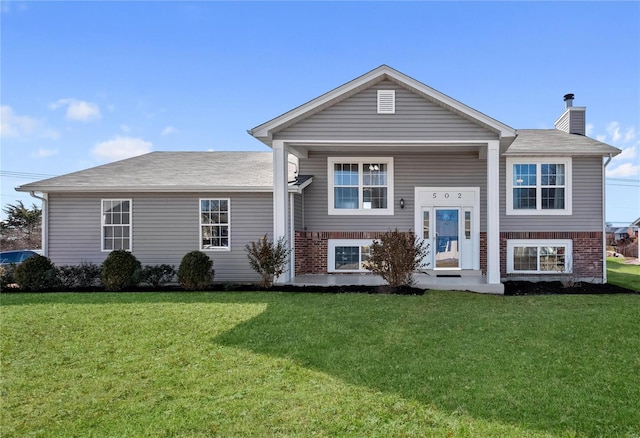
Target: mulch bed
558	288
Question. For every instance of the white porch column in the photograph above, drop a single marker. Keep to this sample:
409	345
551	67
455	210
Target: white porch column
493	212
280	198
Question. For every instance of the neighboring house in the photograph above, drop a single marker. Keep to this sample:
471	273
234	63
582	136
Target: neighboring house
383	151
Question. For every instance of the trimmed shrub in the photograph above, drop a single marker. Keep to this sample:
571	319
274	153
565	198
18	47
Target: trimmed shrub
158	275
195	271
36	273
82	276
396	256
120	270
268	259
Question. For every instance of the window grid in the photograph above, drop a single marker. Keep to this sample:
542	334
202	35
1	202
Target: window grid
540	186
214	224
116	224
541	257
360	185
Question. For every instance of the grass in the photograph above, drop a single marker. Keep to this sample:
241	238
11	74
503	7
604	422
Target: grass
623	275
275	364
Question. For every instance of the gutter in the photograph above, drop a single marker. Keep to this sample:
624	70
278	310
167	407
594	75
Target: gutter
604	218
45	221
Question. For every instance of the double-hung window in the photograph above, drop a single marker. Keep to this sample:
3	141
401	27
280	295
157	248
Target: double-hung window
348	255
539	256
539	186
116	224
214	224
360	185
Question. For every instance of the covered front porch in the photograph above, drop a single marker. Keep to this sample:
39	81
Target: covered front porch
472	281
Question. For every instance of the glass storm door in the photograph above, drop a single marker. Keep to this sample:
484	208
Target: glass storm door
446	242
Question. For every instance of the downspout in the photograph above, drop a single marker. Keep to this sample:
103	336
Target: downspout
45	221
604	219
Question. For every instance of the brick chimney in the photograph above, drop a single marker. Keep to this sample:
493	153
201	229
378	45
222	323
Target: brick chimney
573	118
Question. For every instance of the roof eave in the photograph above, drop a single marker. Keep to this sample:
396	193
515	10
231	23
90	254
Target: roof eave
264	132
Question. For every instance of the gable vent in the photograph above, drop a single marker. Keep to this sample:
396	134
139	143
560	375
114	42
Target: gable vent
386	101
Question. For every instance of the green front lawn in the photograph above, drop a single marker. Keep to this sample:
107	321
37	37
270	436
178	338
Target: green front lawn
275	364
622	274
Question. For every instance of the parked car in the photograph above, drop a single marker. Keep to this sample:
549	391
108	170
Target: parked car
16	257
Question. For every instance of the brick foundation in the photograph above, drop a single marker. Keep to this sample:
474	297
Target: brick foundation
311	248
587	253
311	251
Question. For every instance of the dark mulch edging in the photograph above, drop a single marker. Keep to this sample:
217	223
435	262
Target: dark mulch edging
511	288
558	288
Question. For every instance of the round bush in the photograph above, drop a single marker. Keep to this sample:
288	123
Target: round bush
195	271
120	270
36	273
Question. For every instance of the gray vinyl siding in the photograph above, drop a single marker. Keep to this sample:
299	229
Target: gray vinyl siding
298	215
356	118
165	228
410	170
573	122
587	202
563	122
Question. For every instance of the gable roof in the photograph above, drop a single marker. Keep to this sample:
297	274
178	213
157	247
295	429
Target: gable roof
553	142
266	131
170	172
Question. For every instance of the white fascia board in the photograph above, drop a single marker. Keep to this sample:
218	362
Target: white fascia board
557	154
505	130
154	189
263	132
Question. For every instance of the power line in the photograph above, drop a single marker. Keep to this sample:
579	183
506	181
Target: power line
24	175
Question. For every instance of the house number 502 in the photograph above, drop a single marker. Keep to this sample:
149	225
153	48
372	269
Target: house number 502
446	195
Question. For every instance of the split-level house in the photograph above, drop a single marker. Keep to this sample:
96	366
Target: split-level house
381	152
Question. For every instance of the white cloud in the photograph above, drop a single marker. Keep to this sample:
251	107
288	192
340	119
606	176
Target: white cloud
120	148
78	110
627	154
625	169
44	153
630	135
15	126
613	129
601	137
168	130
589	129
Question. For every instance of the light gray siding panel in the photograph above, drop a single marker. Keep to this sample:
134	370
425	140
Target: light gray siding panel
587	202
298	217
410	170
416	118
563	123
165	228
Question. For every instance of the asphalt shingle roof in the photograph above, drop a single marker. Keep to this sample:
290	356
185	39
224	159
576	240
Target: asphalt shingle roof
170	171
550	142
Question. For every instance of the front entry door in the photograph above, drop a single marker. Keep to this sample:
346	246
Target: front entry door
449	218
447	242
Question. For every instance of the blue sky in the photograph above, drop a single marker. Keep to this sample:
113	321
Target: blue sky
86	83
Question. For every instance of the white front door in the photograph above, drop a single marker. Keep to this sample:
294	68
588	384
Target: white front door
448	220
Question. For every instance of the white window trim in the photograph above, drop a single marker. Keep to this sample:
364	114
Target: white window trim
200	225
566	243
360	211
103	225
331	253
539	211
